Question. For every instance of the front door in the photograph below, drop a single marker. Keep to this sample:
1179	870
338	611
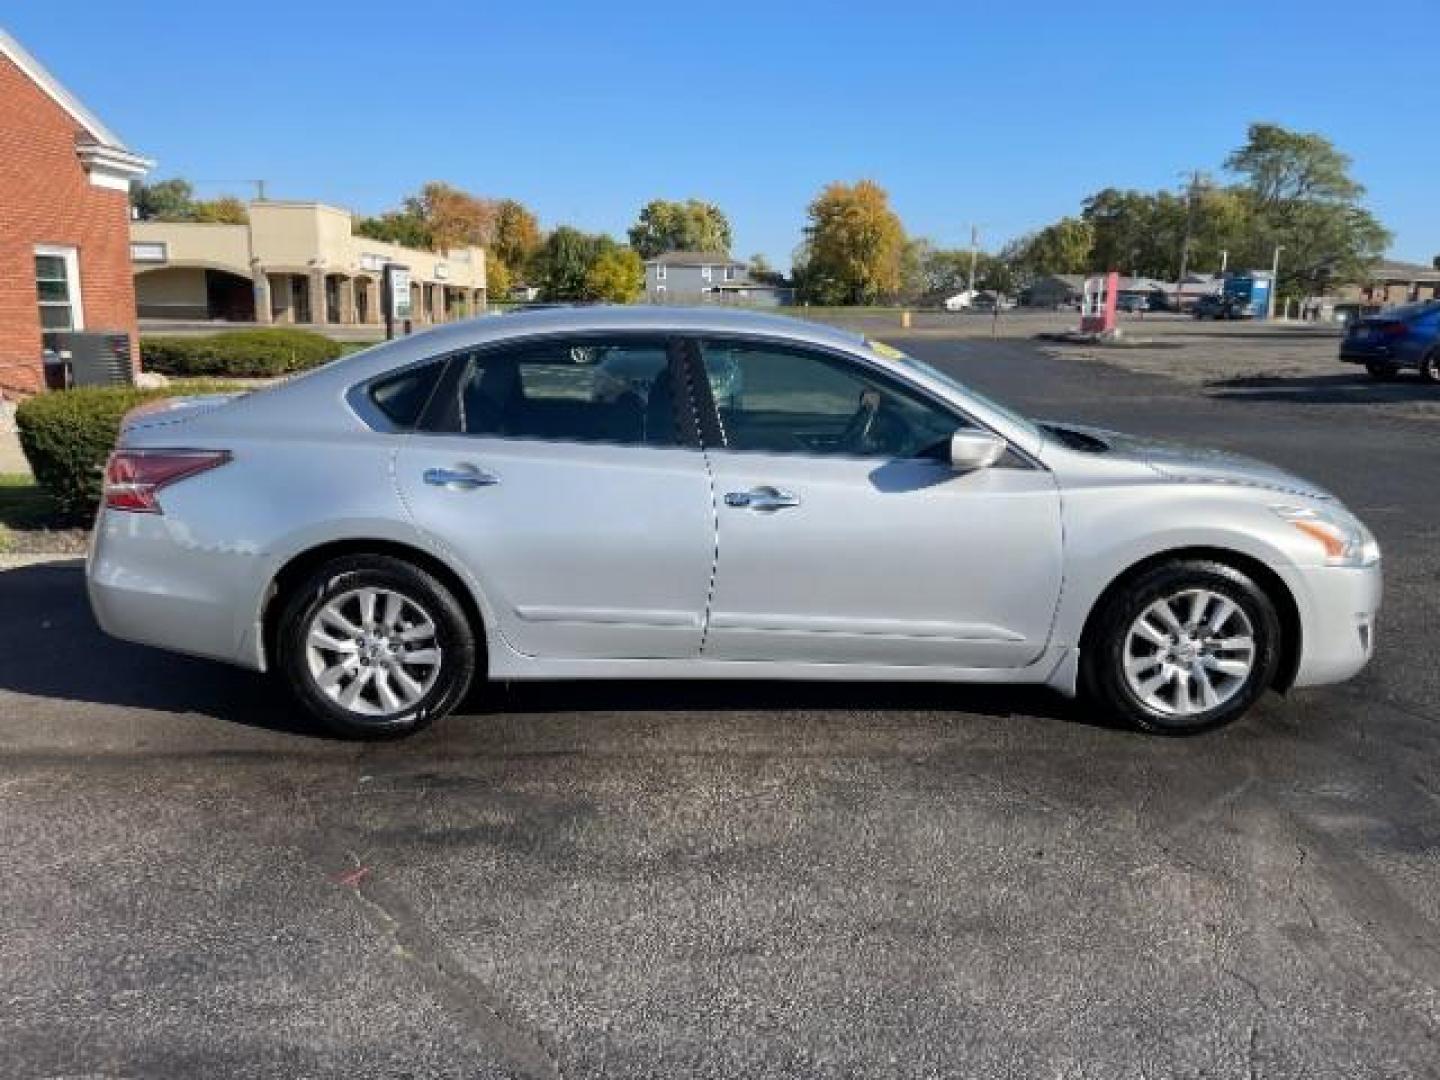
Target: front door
846	537
557	471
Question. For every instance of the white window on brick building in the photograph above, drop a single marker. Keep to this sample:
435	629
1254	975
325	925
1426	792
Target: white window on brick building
57	283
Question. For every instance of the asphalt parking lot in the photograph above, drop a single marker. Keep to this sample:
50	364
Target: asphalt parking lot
695	880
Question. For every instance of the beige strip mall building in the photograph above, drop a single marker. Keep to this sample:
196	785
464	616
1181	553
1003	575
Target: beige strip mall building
293	262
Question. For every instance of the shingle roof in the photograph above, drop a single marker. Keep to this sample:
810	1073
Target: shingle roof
692	258
1394	270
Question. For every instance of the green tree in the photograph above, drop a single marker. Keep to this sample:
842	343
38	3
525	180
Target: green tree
854	246
760	270
564	260
1062	248
617	274
691	225
164	200
407	227
1280	166
1302	198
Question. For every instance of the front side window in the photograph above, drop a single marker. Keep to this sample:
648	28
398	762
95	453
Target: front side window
57	285
780	400
568	390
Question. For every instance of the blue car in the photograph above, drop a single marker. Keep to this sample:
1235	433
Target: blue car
1397	339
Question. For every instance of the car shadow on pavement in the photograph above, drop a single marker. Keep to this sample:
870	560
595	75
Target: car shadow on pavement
54	650
1342	388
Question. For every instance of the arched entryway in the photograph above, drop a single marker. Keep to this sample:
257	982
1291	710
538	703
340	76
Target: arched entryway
194	293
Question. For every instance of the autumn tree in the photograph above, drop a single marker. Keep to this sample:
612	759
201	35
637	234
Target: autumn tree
455	218
226	210
691	225
517	236
854	246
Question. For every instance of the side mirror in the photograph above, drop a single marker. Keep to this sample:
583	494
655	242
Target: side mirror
971	449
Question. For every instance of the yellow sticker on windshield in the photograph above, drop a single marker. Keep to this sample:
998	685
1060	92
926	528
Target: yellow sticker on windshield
887	351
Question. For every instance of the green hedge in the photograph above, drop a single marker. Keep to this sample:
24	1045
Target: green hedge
241	354
68	434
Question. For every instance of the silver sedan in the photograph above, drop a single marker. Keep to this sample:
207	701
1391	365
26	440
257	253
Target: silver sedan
661	493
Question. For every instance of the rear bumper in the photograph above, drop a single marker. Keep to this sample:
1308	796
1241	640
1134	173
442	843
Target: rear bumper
147	584
1338	607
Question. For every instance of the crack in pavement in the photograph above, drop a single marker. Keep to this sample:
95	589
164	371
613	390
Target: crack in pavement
481	1007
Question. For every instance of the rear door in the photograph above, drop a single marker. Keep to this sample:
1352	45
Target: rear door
844	535
563	474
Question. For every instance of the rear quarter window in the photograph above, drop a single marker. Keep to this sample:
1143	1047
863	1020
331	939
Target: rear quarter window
402	398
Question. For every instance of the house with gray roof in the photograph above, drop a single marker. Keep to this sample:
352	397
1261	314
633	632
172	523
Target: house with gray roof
706	277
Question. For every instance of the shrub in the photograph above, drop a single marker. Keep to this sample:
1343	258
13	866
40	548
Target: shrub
68	434
257	354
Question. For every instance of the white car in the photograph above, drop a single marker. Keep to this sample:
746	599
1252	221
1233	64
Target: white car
639	492
960	301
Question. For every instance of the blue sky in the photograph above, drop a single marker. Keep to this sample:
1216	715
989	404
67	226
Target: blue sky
1006	115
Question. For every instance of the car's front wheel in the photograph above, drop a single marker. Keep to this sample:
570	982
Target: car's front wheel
1430	367
375	647
1184	647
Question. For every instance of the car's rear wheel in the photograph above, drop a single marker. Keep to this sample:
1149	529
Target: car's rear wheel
374	647
1430	367
1182	648
1383	372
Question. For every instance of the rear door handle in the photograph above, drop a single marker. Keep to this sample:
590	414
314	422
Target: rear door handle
462	478
762	498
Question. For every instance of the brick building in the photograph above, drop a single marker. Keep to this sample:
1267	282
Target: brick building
64	219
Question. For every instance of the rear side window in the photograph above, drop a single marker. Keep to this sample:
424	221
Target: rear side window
567	390
402	398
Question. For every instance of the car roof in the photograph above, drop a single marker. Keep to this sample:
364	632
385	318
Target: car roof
583	318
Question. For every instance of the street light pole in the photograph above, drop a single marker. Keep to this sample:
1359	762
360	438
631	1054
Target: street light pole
974	255
1274	281
1224	261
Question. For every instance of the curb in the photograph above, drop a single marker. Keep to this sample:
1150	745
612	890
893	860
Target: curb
59	560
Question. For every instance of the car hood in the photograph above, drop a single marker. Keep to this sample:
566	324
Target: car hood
1176	461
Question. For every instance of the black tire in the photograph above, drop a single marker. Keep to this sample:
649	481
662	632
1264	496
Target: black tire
1382	372
454	638
1104	649
1430	367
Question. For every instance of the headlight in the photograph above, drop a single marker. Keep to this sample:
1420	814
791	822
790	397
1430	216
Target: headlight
1345	540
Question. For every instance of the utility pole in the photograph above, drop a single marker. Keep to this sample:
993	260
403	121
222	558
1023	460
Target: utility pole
1191	196
259	190
974	256
1274	281
1224	261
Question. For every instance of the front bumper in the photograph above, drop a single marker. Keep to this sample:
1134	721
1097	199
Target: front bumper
1338	607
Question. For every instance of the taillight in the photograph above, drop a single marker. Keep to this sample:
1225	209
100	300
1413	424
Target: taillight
134	477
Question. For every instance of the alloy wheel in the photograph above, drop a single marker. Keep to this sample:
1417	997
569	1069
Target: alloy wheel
1189	653
373	651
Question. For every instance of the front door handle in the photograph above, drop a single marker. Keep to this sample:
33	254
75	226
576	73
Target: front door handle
463	478
762	498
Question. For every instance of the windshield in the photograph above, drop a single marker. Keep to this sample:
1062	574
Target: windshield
880	348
